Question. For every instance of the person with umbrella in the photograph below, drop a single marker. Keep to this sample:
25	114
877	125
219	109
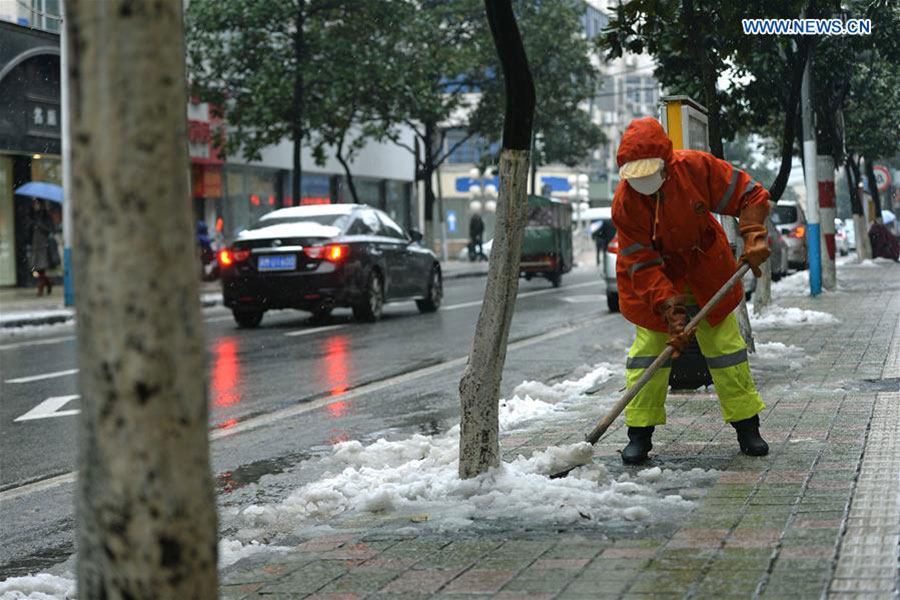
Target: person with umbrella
43	253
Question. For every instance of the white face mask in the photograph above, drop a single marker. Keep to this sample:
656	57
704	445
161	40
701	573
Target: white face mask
647	185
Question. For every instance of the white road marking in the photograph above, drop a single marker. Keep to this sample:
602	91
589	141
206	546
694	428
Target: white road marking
50	408
584	299
217	319
525	295
42	376
38	486
313	330
36	342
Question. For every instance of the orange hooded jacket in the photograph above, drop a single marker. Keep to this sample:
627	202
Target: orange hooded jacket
672	240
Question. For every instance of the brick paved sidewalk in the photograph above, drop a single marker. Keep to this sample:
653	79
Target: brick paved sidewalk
819	517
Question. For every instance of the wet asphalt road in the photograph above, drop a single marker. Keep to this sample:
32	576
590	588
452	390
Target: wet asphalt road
281	393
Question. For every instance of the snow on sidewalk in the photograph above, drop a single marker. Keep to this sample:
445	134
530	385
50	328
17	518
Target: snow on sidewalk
779	317
416	480
38	587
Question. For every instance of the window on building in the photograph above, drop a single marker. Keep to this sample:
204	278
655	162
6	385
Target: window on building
633	87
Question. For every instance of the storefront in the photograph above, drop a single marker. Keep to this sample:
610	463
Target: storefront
30	120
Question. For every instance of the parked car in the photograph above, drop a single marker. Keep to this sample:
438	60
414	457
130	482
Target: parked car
841	243
788	217
608	263
850	232
316	258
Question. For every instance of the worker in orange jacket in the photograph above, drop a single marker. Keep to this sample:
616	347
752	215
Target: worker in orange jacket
673	257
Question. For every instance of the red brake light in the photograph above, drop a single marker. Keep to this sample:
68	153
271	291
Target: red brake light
336	252
331	252
798	232
229	256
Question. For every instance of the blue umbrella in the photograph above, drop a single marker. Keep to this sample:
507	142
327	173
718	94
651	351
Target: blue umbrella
42	190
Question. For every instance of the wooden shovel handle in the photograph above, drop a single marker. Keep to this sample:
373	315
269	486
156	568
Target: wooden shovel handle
666	354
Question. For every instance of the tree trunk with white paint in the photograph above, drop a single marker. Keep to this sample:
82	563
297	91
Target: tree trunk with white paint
479	388
762	297
145	503
743	316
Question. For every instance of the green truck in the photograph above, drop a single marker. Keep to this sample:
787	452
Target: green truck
547	248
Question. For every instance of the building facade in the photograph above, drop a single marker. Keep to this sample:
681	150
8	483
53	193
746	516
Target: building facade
30	145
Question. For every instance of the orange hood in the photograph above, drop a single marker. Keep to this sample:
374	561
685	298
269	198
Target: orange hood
644	138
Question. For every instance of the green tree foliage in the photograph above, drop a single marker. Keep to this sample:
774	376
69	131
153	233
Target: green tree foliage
700	45
565	79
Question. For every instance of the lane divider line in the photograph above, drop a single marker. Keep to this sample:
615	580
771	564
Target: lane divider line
56	340
300	332
42	376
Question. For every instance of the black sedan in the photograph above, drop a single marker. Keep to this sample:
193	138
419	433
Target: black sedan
316	258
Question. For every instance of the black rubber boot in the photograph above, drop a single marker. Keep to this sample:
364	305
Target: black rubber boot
639	445
748	437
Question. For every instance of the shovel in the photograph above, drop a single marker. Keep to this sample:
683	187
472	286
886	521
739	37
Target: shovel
594	436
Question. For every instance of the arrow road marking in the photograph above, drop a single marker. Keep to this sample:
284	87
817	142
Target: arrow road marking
43	376
50	408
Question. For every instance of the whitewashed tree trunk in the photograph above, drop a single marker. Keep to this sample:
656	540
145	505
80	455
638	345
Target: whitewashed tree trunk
479	388
861	230
762	297
145	504
743	317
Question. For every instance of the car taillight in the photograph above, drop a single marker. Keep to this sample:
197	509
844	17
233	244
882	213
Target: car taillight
229	256
336	252
613	246
331	252
798	232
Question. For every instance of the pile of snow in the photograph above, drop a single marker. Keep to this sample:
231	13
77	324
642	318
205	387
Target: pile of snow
795	284
38	587
775	355
231	551
778	317
419	476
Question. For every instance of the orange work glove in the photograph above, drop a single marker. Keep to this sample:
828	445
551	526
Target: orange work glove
756	238
674	312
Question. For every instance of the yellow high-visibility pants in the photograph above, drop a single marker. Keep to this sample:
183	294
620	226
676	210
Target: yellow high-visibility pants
726	356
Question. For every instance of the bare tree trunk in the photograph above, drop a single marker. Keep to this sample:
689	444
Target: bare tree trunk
479	388
145	504
873	188
860	226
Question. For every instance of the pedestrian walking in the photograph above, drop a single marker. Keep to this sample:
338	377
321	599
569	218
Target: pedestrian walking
673	257
476	233
44	253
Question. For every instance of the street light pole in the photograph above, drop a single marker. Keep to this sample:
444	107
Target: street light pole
68	292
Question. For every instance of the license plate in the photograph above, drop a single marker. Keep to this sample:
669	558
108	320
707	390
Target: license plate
287	262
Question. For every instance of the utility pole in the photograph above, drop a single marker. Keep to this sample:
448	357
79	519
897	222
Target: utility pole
813	232
68	292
